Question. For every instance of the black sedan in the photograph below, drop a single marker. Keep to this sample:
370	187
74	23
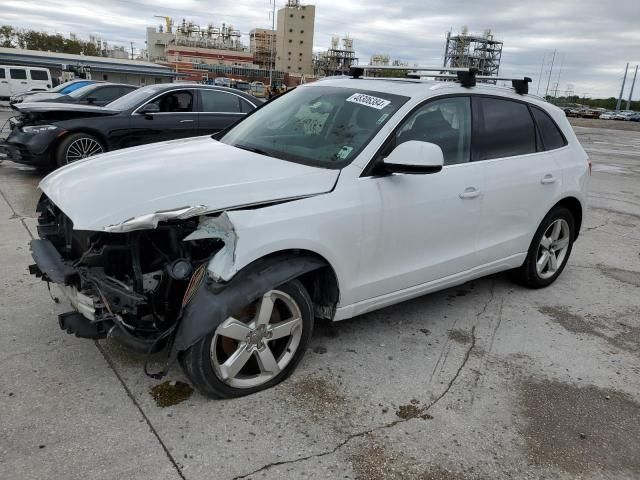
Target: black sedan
50	134
99	93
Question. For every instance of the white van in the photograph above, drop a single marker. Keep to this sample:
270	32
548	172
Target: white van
16	79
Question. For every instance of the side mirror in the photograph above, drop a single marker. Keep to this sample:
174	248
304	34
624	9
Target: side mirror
414	157
91	99
150	109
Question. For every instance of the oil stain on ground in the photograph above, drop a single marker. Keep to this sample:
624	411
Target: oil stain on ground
316	394
579	429
625	276
413	410
627	336
374	462
167	394
460	336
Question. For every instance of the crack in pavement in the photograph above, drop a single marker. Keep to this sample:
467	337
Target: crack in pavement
395	422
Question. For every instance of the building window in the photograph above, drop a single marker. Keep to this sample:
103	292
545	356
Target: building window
291	15
300	54
105	77
302	15
290	30
301	42
301	31
299	68
288	67
290	40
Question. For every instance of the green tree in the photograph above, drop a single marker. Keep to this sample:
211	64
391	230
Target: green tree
7	36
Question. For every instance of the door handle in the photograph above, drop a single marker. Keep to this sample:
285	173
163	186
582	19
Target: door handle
547	179
186	121
469	192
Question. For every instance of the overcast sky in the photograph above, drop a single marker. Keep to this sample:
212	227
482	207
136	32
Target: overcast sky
594	38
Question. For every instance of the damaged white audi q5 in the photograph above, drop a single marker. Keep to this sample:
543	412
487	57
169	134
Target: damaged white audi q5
338	198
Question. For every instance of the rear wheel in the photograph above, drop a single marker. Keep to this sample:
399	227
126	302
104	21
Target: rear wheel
549	250
254	349
77	146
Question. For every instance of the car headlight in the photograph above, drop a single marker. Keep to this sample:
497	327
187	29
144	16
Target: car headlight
38	128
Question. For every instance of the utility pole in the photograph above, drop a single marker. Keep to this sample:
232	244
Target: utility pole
544	57
558	80
553	59
131	50
624	80
273	38
633	84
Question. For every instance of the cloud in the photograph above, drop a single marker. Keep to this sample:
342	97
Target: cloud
593	39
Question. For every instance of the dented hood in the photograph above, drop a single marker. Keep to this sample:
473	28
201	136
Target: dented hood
179	178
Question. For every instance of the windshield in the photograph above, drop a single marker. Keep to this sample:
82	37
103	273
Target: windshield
318	125
135	98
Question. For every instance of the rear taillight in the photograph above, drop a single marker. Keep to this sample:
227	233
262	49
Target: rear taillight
589	162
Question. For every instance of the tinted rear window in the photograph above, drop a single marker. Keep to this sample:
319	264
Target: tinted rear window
552	137
39	75
18	73
505	129
2	74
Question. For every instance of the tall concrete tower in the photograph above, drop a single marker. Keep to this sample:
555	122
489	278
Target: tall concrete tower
294	38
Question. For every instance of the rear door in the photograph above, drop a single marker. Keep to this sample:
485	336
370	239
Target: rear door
219	109
177	118
18	80
40	79
5	89
520	180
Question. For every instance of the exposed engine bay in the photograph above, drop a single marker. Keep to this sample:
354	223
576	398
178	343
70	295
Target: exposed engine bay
133	284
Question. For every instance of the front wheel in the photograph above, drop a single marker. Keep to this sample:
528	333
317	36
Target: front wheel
77	146
254	349
549	250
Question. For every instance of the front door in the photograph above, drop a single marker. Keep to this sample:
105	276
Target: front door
177	118
423	227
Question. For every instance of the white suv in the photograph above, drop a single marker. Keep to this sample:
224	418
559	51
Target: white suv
340	197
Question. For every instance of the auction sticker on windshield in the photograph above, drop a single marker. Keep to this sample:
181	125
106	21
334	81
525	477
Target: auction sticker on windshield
368	100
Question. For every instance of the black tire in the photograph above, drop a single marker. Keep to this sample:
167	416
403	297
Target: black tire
63	148
527	274
197	363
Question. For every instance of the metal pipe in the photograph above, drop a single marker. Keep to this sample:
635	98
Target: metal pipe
540	76
550	70
624	80
633	84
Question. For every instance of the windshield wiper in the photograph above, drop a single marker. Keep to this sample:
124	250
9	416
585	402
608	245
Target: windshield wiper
253	149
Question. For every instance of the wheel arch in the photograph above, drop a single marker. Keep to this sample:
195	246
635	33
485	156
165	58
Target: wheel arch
213	301
575	207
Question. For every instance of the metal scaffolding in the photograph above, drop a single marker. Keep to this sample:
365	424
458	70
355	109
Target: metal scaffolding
473	51
336	60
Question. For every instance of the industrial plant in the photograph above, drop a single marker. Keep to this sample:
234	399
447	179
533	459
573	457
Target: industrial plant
466	50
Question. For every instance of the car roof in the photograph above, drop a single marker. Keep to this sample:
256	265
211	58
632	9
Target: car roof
422	89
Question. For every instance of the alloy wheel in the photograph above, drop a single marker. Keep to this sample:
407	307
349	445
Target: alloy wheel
83	148
552	251
254	346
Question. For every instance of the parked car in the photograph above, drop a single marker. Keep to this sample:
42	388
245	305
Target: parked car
337	198
222	82
624	115
635	117
98	93
242	86
607	116
52	93
55	134
16	79
258	89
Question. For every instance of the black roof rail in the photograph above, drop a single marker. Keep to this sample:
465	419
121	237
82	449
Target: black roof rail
467	77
